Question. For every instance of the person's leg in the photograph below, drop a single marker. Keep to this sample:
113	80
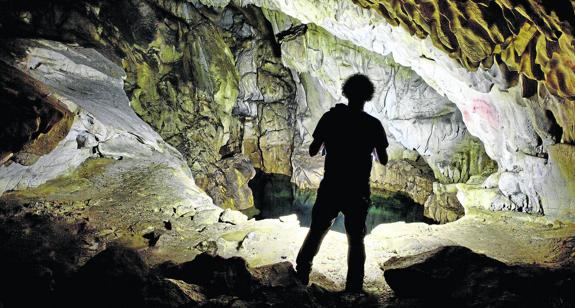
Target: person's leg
355	230
322	218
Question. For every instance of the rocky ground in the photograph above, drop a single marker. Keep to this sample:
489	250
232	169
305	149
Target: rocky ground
60	225
410	266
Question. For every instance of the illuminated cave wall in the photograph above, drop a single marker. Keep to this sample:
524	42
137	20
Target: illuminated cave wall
525	135
236	88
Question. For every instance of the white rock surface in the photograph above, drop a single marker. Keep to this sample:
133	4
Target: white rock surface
415	117
233	217
207	216
91	86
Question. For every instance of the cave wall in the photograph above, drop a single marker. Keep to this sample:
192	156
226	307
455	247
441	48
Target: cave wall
88	89
415	116
518	132
531	38
182	79
234	88
231	92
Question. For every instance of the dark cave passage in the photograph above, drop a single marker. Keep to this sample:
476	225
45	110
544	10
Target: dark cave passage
275	196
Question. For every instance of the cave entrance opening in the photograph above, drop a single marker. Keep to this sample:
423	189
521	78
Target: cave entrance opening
276	196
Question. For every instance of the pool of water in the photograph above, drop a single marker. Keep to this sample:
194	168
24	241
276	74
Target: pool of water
276	196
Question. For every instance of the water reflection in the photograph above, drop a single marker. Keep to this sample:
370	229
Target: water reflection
275	196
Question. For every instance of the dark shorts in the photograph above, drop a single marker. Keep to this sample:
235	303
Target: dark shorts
333	199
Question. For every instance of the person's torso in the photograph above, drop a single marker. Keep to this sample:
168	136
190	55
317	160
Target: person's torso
349	145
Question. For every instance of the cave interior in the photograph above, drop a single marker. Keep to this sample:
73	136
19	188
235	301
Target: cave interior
154	153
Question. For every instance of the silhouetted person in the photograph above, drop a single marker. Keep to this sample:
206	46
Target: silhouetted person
349	136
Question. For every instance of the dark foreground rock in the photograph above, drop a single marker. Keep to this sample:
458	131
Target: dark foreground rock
119	277
455	275
232	283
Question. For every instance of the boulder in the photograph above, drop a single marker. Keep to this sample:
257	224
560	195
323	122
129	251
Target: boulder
307	171
207	216
115	277
276	275
232	283
455	275
219	275
118	277
168	293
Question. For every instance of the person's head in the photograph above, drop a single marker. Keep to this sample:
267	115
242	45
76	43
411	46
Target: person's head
358	89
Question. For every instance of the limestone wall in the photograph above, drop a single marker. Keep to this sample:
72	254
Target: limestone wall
234	87
517	132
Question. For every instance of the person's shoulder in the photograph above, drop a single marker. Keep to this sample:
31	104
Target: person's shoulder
369	116
327	114
371	119
335	111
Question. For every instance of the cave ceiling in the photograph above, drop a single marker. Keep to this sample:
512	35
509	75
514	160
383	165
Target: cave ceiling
531	37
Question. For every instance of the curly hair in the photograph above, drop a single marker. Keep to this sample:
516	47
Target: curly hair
358	87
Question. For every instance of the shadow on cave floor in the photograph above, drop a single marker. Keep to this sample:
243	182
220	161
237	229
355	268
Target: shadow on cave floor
37	253
275	196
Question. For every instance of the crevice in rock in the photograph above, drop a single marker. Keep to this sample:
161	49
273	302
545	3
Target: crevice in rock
291	33
555	129
256	19
152	238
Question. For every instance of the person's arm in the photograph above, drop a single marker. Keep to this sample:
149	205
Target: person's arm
381	145
315	146
319	135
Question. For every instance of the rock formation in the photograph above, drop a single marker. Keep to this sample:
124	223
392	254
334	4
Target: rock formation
517	128
95	118
119	277
531	38
144	123
269	74
457	276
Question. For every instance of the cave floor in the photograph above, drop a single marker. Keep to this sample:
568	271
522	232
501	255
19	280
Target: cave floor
150	208
508	237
